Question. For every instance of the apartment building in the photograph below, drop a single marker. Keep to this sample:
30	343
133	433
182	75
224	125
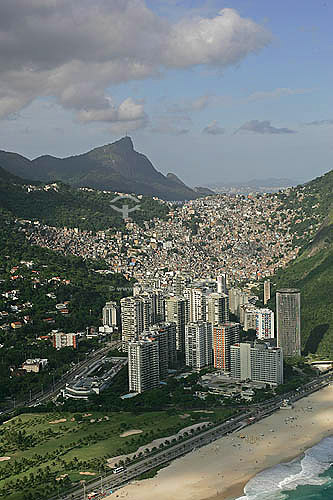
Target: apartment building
258	362
198	345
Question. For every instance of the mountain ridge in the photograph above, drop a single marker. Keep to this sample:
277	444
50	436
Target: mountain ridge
115	167
57	204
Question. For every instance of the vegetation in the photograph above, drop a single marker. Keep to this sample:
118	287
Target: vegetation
313	275
49	278
53	445
61	205
312	271
115	167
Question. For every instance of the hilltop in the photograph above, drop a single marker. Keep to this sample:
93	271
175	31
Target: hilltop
114	167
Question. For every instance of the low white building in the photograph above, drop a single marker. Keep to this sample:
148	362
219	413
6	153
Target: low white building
34	365
61	340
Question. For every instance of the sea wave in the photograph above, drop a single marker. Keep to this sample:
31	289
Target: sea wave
305	470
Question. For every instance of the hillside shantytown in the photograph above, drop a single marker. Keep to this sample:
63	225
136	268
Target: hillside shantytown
188	307
166	250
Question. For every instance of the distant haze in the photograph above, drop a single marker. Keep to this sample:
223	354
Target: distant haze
256	183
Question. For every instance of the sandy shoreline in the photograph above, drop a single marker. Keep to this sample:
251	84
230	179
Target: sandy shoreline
220	470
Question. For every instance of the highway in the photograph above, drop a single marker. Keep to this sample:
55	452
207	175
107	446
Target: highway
69	376
112	482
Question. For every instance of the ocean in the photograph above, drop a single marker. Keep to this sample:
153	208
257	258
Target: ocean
308	477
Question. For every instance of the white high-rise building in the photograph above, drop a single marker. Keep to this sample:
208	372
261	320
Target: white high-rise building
265	324
197	304
132	319
248	317
198	345
138	314
137	290
237	298
110	314
143	365
158	306
217	308
222	283
165	334
179	282
176	312
258	362
147	309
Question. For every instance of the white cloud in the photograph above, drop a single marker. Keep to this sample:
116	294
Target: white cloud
129	110
219	41
263	127
74	50
127	117
166	125
320	122
188	106
276	93
213	129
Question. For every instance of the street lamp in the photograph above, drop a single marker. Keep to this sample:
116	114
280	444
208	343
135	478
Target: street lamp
100	473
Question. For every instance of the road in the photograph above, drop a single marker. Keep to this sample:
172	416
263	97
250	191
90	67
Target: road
69	376
112	482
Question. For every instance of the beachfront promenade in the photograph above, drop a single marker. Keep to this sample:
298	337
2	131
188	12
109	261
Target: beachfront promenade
112	482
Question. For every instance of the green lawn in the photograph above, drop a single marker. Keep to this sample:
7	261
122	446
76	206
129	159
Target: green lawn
41	451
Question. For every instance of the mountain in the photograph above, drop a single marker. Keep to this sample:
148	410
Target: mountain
8	178
174	178
58	204
312	271
204	191
115	167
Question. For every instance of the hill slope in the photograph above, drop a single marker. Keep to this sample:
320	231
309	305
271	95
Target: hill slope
57	204
114	167
312	271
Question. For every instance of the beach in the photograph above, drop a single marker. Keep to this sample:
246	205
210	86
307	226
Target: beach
220	470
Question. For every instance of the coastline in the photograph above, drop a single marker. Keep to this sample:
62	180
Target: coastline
220	470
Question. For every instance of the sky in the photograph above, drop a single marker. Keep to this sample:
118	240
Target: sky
215	91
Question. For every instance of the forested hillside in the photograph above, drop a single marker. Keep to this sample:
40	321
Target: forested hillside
60	205
32	281
115	167
312	271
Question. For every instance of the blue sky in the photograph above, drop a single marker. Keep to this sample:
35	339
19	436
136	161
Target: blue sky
211	95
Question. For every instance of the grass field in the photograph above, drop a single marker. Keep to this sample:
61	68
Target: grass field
44	447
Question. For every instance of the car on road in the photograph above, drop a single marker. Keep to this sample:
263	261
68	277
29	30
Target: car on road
118	470
92	495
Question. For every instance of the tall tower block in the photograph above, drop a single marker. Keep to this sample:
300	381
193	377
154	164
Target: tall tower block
288	319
